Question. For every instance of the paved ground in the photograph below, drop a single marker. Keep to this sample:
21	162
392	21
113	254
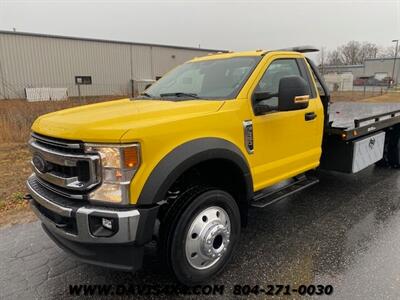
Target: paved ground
344	232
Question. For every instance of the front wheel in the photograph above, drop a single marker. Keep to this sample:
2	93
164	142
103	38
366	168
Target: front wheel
202	235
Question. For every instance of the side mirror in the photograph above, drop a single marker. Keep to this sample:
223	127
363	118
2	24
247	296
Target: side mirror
259	96
262	108
293	93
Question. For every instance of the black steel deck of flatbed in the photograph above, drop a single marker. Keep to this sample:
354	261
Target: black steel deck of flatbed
351	120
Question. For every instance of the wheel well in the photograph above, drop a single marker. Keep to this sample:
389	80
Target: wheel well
391	151
218	173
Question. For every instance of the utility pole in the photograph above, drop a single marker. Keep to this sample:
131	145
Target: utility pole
394	62
3	83
322	53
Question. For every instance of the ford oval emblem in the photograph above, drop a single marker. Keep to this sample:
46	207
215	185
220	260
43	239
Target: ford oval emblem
39	163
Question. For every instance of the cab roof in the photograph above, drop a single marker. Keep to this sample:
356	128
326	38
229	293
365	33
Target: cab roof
222	55
230	54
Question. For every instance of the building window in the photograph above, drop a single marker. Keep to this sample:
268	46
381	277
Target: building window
83	79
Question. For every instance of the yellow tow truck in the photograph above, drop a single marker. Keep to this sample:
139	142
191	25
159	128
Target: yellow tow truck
182	163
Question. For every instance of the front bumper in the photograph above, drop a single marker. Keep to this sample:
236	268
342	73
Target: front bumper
75	227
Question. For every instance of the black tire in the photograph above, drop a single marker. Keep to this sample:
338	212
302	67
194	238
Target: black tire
384	162
391	153
175	226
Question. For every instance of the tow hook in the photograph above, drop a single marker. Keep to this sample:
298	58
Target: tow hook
27	197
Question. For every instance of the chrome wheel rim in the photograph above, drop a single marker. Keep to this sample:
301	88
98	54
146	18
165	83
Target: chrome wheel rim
208	238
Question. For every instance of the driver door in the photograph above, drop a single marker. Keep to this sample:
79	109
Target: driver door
286	143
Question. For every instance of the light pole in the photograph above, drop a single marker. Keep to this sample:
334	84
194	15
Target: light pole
395	57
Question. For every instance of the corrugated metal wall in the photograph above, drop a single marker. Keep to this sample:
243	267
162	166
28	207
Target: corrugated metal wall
41	61
373	66
141	62
357	70
164	59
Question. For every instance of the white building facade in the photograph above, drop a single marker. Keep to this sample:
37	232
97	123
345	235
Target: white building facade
107	67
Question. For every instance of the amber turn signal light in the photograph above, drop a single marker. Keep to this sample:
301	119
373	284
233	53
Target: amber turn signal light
131	157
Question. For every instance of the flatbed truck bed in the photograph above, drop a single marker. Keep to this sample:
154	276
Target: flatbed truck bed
359	134
352	120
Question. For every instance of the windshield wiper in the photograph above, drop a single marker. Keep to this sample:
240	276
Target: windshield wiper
180	94
146	95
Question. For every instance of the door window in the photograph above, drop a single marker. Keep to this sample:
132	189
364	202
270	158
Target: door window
269	82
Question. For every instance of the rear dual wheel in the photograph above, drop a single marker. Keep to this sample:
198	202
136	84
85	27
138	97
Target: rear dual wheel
199	234
391	152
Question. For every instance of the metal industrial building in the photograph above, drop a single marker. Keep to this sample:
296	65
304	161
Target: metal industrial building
356	70
372	67
38	60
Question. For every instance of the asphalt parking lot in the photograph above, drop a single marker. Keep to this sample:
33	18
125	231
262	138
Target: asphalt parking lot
344	232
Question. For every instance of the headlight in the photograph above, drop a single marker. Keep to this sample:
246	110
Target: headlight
119	164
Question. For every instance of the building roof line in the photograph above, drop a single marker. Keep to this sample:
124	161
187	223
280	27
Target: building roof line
384	58
343	66
105	40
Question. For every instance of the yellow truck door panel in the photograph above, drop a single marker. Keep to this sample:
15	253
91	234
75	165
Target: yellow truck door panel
286	143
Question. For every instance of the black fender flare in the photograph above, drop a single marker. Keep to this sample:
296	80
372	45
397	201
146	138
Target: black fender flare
184	157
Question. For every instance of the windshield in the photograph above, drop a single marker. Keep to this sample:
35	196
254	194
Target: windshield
209	79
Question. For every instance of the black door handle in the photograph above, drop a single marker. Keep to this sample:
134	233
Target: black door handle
310	116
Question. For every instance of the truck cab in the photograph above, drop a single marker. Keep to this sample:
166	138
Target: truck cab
181	163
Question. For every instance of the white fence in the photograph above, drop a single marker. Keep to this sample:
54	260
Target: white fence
46	94
339	82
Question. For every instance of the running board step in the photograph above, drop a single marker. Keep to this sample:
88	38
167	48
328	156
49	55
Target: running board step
298	184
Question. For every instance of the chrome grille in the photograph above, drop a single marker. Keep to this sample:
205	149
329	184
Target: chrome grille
60	144
63	167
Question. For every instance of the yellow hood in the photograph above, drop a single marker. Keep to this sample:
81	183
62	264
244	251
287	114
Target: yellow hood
108	121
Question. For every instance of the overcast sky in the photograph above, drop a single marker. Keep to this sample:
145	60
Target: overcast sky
232	25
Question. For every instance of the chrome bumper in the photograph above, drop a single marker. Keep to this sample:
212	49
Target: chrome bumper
127	220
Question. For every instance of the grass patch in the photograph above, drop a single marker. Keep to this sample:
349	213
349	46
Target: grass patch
17	116
18	196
